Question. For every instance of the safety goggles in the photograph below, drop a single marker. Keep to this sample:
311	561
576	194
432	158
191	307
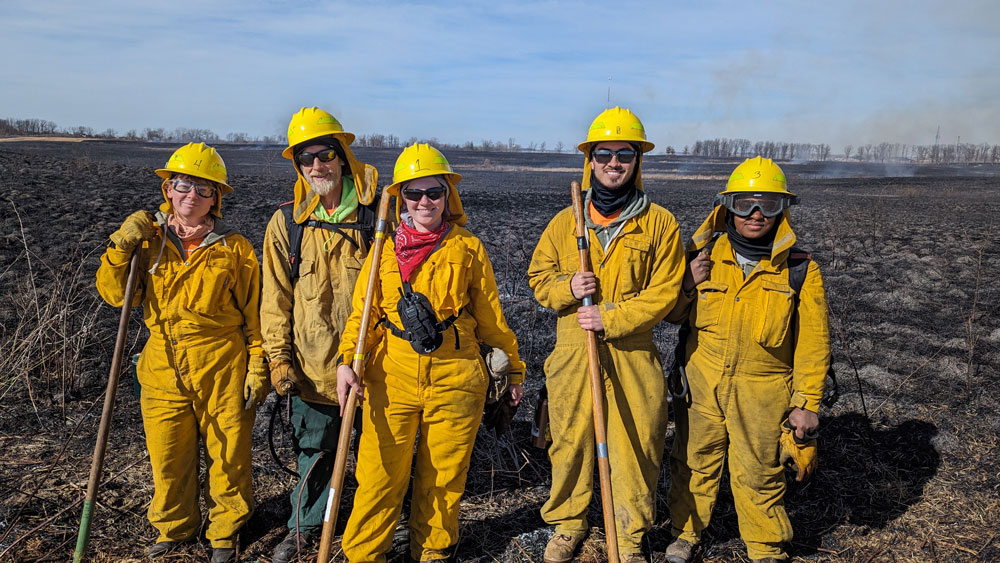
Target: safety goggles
203	189
743	204
603	156
432	194
307	158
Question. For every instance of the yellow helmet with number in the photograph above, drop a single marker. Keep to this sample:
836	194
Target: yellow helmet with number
313	123
616	124
757	174
199	160
419	161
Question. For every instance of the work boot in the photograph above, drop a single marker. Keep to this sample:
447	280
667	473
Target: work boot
223	554
770	560
636	557
680	551
288	548
561	548
162	548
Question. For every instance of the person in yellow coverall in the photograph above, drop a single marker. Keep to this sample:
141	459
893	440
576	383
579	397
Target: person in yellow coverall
202	370
757	353
638	263
428	381
307	299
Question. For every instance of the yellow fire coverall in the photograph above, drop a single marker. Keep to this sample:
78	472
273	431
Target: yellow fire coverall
440	394
203	320
639	278
751	358
303	322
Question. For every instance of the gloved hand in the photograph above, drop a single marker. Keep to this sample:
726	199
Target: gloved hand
799	456
498	365
285	378
257	384
137	227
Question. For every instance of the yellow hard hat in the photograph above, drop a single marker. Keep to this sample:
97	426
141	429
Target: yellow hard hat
199	160
757	174
616	124
313	123
419	161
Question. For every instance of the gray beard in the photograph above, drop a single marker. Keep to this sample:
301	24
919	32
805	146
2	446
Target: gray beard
321	187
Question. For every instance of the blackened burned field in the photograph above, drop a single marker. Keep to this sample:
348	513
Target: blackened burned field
910	255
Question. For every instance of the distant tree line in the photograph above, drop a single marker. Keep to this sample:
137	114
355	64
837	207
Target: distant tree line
40	127
881	152
711	148
744	148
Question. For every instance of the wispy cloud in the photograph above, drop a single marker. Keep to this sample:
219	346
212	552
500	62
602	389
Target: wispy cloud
842	72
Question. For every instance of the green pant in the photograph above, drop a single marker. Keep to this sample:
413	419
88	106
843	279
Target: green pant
317	429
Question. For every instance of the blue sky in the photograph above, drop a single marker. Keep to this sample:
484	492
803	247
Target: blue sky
841	72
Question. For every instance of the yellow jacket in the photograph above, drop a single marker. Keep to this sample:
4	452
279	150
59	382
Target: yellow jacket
638	277
189	306
303	322
457	276
751	327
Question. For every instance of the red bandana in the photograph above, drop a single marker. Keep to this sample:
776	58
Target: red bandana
413	246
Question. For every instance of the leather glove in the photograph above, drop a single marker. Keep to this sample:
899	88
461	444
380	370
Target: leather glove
498	365
137	227
798	455
257	384
285	379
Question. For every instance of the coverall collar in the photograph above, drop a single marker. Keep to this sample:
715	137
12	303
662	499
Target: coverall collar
784	238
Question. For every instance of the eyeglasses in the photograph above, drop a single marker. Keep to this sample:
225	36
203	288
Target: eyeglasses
603	156
307	158
743	204
203	189
432	194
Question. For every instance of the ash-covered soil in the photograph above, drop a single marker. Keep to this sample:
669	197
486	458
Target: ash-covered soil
909	467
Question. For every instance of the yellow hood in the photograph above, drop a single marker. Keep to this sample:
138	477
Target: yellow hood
587	171
456	213
365	182
784	238
168	208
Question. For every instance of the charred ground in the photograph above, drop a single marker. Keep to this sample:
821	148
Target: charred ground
908	471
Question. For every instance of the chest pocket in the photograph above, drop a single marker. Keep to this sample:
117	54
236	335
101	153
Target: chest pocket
636	252
775	314
212	283
449	280
350	269
309	286
707	308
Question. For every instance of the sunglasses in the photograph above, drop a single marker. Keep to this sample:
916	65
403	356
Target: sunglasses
603	156
743	204
307	158
432	194
203	189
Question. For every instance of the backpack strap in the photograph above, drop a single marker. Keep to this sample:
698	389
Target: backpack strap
295	231
365	226
798	265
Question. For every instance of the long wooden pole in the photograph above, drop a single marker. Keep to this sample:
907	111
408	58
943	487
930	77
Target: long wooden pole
97	466
596	389
358	364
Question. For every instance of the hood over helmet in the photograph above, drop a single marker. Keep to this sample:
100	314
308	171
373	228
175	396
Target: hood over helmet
313	126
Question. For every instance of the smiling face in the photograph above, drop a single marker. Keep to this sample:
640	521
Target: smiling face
755	225
614	174
426	212
190	206
323	177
